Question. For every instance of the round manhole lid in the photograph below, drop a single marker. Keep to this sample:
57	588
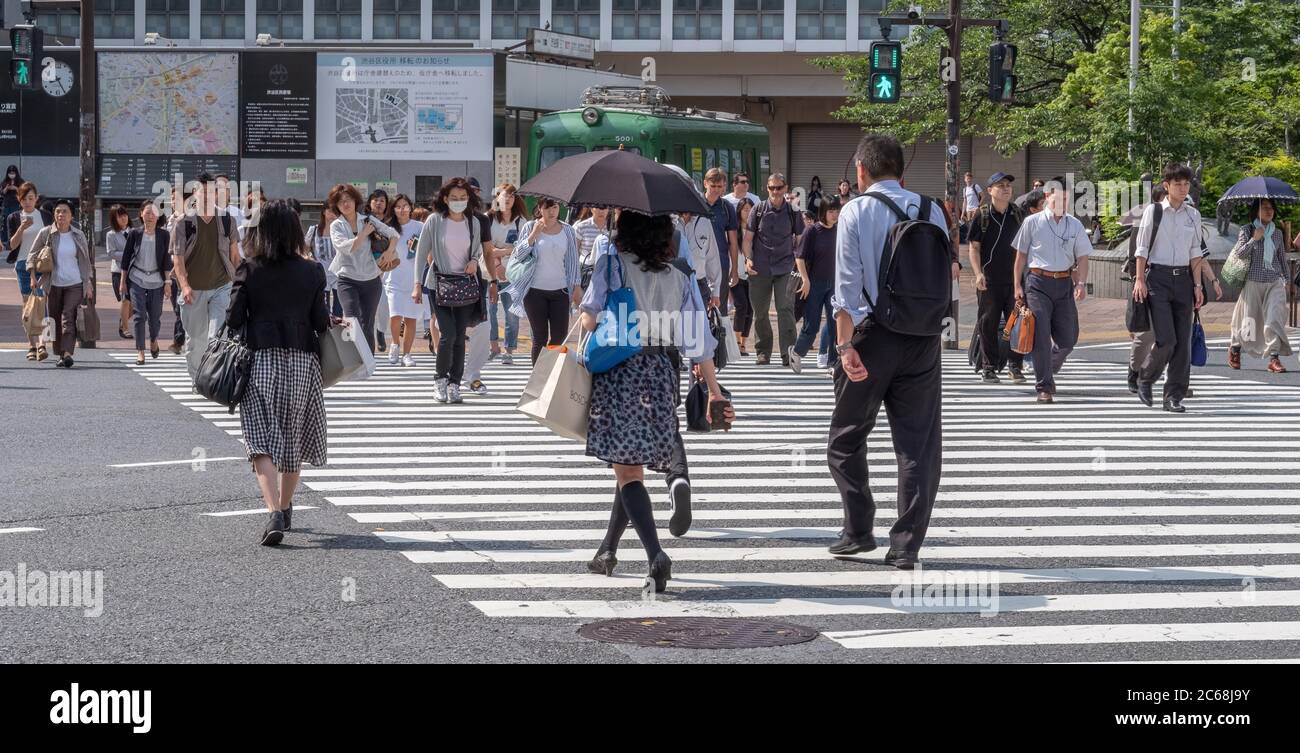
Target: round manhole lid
698	632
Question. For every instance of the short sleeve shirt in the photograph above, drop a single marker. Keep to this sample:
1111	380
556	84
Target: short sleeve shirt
1050	244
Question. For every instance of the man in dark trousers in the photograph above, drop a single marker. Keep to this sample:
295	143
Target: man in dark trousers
879	366
774	226
993	259
1169	280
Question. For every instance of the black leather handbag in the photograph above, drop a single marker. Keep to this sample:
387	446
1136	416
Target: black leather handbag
456	290
720	334
225	369
697	405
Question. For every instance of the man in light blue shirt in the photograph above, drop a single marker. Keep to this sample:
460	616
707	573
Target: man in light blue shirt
879	366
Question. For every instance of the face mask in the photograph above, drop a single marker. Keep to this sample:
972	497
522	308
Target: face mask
458	206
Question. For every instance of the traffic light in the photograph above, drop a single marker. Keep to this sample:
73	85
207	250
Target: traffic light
886	80
26	41
1002	82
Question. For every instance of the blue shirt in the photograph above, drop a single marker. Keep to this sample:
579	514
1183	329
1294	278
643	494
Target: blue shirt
603	246
863	226
724	217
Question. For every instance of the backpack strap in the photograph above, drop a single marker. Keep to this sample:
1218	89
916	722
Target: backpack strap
883	199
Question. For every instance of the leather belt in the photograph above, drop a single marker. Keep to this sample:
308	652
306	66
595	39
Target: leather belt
1048	273
1175	271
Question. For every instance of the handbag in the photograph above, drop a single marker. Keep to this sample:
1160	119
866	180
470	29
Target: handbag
1019	331
1200	353
719	330
1234	271
41	260
517	269
34	315
800	302
1137	316
697	404
617	336
87	325
456	290
733	347
340	358
558	393
224	369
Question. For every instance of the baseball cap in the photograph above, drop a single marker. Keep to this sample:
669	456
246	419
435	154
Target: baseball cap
995	177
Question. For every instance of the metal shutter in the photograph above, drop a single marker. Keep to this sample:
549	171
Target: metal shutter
824	150
1044	162
925	166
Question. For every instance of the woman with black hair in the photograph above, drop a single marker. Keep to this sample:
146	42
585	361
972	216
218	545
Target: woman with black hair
815	198
451	244
278	301
815	258
115	243
1259	318
380	206
403	310
543	292
72	281
9	188
359	286
633	416
146	263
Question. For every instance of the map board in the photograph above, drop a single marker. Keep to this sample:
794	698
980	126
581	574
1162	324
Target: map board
401	106
169	103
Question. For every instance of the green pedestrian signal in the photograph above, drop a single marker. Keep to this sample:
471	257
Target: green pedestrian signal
20	73
26	42
886	83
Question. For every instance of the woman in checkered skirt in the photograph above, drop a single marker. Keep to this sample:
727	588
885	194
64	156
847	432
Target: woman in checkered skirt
278	300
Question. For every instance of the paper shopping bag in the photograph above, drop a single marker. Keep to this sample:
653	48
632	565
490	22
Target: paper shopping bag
558	393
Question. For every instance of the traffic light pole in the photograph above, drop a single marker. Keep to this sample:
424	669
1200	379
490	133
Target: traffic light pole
87	147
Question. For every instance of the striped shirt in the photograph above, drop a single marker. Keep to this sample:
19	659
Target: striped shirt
587	231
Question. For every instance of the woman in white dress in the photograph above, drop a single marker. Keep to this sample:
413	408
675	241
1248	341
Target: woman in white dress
403	311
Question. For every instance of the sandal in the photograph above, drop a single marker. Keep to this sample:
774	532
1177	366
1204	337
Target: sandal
139	359
31	354
41	353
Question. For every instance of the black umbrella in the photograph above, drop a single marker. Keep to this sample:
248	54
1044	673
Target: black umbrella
616	179
1248	190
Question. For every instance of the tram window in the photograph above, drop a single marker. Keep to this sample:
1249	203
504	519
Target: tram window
606	148
679	155
735	161
552	154
724	161
710	158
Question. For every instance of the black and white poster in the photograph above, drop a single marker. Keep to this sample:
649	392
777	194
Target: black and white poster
279	104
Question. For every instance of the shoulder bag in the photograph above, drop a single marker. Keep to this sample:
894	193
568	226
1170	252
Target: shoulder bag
617	336
42	259
225	369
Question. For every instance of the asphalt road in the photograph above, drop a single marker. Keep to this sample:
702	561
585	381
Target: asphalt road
182	586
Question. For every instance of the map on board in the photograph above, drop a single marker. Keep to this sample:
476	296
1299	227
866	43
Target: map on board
439	119
371	116
169	103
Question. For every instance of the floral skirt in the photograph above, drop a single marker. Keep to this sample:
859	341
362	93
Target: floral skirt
634	412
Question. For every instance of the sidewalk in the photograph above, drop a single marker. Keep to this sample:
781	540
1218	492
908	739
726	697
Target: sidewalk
1101	319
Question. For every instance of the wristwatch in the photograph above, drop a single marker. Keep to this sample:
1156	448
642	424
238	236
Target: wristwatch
841	348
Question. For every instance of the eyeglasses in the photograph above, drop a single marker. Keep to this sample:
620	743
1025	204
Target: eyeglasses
776	188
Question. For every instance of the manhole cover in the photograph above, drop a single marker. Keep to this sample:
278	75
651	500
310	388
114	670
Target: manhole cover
698	632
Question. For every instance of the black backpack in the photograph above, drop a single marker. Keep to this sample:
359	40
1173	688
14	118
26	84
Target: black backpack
915	280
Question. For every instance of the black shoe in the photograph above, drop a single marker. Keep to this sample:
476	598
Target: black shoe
288	516
849	545
1132	381
1017	376
1174	405
901	560
603	564
1188	393
762	360
1144	394
274	532
660	571
679	494
989	377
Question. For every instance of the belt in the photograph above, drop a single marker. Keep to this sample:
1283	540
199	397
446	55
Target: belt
1048	273
1175	271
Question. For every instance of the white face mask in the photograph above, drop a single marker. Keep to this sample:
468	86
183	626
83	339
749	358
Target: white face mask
458	206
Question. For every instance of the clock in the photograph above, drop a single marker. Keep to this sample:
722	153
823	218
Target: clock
56	77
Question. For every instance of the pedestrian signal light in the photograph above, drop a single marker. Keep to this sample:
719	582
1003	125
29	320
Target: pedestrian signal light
1002	81
26	42
885	82
20	73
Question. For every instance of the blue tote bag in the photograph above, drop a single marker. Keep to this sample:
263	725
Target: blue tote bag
1200	353
615	338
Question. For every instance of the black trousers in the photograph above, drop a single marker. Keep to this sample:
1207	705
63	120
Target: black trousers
903	373
452	323
548	317
998	301
178	329
360	299
744	318
1172	297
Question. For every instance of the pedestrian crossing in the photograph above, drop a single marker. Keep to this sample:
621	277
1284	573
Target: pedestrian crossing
1091	529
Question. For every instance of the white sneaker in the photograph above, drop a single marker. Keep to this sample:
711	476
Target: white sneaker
408	360
440	390
507	359
796	363
453	392
393	355
822	360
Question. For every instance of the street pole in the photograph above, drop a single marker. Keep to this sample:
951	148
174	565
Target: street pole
87	147
1134	24
952	161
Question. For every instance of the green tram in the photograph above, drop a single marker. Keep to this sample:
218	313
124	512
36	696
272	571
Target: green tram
639	120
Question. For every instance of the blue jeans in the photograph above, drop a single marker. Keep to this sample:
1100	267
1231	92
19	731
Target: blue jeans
24	279
819	301
512	321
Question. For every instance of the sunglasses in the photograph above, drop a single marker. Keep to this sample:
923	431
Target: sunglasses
776	188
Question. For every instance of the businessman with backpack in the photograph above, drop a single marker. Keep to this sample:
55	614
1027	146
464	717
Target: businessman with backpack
205	252
893	278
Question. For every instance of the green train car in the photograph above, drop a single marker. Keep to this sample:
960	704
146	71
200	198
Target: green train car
639	120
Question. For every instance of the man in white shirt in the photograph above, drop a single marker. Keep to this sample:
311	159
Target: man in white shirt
1168	280
879	366
702	243
972	194
740	190
1054	246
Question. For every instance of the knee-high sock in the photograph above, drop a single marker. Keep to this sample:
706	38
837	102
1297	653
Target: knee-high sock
617	525
636	501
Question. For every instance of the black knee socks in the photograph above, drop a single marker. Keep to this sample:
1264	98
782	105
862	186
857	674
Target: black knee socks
617	525
636	502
